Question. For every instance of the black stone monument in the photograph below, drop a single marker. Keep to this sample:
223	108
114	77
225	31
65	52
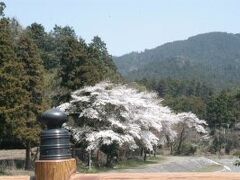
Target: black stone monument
55	141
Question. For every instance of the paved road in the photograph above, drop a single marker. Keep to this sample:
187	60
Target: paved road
187	164
229	162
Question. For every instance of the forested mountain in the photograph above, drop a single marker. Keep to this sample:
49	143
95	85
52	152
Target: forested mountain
211	57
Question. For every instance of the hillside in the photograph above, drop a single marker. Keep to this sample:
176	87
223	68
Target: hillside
211	57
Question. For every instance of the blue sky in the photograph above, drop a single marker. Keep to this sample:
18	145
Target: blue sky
131	25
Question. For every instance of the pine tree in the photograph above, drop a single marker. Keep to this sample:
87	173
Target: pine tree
12	95
103	61
220	112
2	7
28	130
45	43
73	57
81	64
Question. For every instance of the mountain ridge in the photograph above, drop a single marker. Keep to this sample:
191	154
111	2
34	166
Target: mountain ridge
210	57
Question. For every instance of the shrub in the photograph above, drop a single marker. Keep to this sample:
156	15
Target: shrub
189	149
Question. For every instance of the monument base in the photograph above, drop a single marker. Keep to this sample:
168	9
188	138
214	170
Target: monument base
55	169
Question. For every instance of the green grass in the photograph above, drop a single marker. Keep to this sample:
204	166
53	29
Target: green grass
237	153
127	164
210	168
134	163
2	172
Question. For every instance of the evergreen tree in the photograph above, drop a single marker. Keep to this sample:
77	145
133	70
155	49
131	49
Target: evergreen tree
12	95
73	56
220	111
16	29
28	130
2	7
72	59
99	54
80	64
45	43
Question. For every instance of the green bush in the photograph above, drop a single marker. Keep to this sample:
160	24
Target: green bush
237	153
188	149
237	163
2	168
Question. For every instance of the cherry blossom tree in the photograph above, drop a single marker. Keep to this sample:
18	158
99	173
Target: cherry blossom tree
119	115
189	126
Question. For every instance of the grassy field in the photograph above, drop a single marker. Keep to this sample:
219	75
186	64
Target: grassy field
127	164
211	168
137	163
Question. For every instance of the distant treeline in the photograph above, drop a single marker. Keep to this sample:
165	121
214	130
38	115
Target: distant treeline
221	109
218	108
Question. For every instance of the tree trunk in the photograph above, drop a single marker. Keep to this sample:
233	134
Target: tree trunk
90	160
154	151
180	142
141	152
35	155
171	148
145	156
109	161
97	159
28	162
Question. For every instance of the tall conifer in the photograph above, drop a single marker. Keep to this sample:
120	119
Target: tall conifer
28	130
12	95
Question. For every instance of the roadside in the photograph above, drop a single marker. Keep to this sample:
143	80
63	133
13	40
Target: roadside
228	161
